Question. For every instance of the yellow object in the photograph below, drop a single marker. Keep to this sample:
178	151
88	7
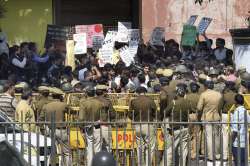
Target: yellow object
167	72
70	57
247	101
76	139
160	139
124	139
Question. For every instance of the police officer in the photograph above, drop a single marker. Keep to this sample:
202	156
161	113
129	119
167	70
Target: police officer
194	116
143	108
91	109
219	85
177	111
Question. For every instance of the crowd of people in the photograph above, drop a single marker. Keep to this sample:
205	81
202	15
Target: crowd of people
196	84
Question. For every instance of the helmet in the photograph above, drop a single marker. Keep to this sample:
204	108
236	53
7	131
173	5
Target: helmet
103	159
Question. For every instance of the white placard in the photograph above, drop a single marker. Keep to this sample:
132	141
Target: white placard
109	40
105	56
134	37
125	55
80	43
242	53
123	31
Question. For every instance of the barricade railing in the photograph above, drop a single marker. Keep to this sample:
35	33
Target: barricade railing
141	143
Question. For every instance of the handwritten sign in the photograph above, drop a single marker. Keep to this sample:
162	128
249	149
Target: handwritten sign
97	42
56	33
109	40
158	36
105	56
90	30
125	55
203	25
192	19
80	43
188	37
70	57
123	32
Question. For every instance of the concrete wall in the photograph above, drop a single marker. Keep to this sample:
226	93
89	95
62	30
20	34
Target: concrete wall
172	14
26	20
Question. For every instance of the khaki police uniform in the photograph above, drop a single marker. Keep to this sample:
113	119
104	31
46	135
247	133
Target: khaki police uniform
143	108
210	103
25	114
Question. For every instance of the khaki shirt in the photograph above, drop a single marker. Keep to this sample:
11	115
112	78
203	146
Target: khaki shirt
91	110
25	114
210	103
144	109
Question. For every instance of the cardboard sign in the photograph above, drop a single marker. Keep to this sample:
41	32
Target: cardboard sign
80	43
97	42
124	139
105	56
125	55
188	37
56	33
70	57
158	36
109	40
192	19
90	30
203	25
123	32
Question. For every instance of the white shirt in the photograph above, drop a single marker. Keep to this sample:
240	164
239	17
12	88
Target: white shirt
81	74
239	117
18	63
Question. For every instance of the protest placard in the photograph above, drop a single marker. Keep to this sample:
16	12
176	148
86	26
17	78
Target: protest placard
189	34
134	37
192	19
105	56
97	42
158	36
125	55
109	40
90	30
203	25
55	33
80	43
123	32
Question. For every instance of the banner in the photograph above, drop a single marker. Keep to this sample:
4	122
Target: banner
192	19
125	55
80	43
188	36
158	36
90	30
123	31
70	57
55	33
105	56
203	25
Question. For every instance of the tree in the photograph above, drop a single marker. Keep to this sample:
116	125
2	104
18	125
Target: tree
201	1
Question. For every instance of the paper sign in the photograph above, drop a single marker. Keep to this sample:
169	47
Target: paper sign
158	36
188	37
123	140
192	20
242	53
97	42
134	37
109	40
125	55
203	25
105	56
123	32
70	57
90	30
80	43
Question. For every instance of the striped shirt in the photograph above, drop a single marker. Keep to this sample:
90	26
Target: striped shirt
8	105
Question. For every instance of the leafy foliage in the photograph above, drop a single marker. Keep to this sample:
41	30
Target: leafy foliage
201	1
